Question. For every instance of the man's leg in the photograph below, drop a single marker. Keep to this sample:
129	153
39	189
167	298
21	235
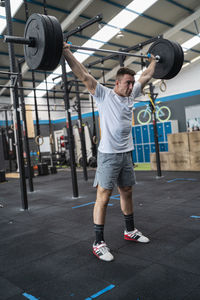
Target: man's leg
126	199
131	233
100	248
99	213
102	199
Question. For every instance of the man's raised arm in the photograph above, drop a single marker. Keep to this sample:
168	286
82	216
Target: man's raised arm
148	73
79	70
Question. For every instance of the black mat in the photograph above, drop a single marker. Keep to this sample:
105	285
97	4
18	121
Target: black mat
46	251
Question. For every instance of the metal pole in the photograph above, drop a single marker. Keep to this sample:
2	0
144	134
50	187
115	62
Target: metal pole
36	114
153	97
81	132
7	128
34	91
14	91
50	124
69	130
26	142
94	133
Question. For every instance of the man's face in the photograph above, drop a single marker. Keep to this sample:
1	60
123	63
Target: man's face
124	85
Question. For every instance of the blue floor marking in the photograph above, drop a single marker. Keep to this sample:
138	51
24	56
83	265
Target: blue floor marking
108	288
89	203
30	297
187	179
195	217
116	197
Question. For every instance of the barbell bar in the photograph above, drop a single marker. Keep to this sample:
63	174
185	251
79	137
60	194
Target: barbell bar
43	46
113	52
31	42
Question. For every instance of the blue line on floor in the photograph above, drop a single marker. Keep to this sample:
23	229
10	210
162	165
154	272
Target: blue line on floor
30	297
116	197
108	288
195	217
89	203
187	179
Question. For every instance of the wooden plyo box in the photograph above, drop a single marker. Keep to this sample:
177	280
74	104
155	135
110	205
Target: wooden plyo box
164	161
195	161
178	142
179	161
194	141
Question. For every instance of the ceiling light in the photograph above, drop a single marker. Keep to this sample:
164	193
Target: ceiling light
191	43
195	59
185	65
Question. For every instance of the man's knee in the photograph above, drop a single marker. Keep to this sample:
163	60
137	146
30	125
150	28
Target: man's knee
103	195
125	189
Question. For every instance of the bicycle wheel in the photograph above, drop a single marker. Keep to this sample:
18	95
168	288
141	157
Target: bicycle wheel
163	113
144	117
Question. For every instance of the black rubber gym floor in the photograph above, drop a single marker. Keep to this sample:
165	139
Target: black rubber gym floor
46	252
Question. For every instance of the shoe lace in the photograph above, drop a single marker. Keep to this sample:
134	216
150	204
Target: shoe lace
103	248
134	233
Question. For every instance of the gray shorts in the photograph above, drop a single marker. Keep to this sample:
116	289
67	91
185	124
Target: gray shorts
114	168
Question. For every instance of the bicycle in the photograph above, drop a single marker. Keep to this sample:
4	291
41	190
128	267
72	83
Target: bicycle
163	113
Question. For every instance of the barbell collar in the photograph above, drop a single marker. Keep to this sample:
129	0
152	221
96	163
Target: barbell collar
107	51
19	40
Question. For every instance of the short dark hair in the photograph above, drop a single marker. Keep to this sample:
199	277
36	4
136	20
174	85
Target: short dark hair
123	71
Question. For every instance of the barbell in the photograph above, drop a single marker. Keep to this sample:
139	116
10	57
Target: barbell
43	46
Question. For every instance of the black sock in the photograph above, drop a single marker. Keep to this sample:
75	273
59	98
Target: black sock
98	229
129	222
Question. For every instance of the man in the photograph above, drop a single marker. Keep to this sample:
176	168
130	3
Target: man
114	164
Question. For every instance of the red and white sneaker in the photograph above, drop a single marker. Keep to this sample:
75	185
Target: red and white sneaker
102	251
135	236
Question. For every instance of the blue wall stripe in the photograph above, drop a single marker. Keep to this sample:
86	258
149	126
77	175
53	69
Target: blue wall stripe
171	98
108	288
195	217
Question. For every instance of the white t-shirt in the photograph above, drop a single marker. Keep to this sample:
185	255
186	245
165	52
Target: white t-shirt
115	114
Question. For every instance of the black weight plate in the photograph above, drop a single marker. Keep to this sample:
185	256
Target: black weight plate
165	50
35	29
178	62
58	40
47	58
54	43
49	42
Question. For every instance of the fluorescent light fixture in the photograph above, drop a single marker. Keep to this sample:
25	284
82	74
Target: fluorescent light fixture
140	6
120	21
191	43
195	59
14	6
185	65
